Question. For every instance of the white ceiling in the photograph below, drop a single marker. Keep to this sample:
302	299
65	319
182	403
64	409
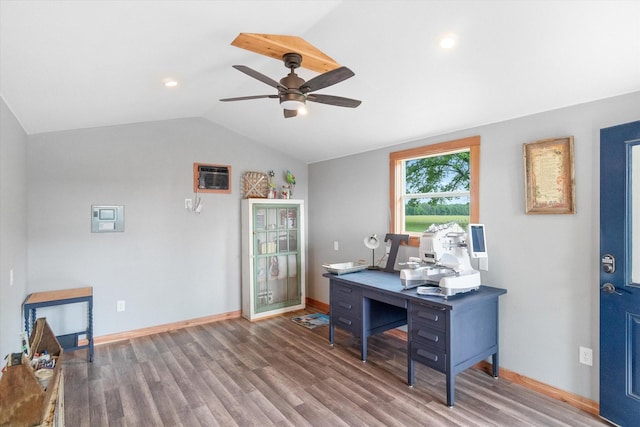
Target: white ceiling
78	64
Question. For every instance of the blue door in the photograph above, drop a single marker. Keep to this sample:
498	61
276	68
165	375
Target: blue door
620	274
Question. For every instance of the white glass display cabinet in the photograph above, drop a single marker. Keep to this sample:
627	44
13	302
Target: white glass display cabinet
273	262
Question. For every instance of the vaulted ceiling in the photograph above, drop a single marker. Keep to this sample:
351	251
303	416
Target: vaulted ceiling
78	64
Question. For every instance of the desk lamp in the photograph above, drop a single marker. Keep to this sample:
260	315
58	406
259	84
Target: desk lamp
372	243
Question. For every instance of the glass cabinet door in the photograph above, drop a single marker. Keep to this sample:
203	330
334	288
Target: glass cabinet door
276	257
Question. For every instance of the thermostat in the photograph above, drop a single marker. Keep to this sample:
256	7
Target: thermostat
107	219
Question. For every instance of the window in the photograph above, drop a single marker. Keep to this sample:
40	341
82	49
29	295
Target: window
434	184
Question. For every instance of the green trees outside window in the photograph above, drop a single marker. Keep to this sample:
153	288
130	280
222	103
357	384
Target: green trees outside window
446	178
434	184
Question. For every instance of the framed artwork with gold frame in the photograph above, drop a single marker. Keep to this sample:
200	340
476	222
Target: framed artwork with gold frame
548	176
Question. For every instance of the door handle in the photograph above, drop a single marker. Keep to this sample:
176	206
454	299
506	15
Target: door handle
609	288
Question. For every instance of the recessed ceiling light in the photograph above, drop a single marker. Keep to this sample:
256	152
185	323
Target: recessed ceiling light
448	41
170	83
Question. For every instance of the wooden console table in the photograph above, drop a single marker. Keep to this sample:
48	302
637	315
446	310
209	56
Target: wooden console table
62	297
447	335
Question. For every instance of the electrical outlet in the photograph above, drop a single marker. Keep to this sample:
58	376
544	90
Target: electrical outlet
335	245
586	356
120	305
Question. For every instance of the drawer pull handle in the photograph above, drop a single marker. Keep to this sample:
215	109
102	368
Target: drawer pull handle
427	355
345	305
346	290
346	321
429	336
434	317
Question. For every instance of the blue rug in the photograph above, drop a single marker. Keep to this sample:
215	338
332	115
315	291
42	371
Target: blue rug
312	320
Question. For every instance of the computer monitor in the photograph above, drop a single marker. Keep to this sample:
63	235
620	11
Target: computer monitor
477	243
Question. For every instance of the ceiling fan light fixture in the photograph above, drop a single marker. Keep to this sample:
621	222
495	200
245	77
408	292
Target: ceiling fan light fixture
292	101
294	92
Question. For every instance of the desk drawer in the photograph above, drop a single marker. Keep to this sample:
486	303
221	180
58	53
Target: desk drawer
345	305
347	320
341	292
422	333
429	356
431	316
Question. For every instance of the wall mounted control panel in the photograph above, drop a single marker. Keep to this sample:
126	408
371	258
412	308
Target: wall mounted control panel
107	219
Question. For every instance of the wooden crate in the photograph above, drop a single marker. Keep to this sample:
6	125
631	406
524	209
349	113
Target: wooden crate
23	401
255	185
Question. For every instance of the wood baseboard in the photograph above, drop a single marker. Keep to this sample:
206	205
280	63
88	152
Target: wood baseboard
106	339
579	402
318	305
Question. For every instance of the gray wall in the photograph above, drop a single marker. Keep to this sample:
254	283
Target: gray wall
13	229
547	263
168	265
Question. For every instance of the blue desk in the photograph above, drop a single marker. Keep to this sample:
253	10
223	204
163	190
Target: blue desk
61	297
447	335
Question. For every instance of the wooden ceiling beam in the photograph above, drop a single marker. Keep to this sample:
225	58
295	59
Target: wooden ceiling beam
275	46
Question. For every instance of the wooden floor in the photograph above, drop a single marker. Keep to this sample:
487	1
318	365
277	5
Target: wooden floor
274	372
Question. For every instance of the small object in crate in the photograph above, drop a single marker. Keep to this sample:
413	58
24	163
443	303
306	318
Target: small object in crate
44	375
255	185
16	359
25	343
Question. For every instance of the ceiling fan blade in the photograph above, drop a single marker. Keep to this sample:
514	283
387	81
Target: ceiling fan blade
290	113
334	100
242	98
327	79
259	76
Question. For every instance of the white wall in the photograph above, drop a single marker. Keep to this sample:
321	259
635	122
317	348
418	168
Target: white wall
168	265
547	263
13	229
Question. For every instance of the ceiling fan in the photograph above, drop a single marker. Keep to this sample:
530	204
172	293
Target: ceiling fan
293	91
